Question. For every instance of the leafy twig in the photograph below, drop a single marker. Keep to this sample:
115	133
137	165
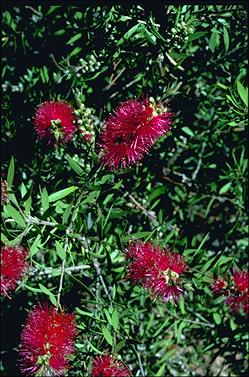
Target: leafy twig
68	230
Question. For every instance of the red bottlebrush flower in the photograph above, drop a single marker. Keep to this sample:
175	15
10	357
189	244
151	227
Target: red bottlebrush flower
106	366
131	131
241	280
218	286
237	293
13	267
156	269
239	299
238	302
4	191
54	121
47	341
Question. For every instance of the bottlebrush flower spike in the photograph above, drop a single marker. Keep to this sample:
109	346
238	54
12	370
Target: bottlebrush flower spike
236	292
47	341
106	366
218	286
156	269
131	131
239	297
13	267
240	279
54	121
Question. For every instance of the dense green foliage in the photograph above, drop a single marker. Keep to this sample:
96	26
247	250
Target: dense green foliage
189	192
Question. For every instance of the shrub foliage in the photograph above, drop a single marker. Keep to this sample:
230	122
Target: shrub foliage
188	193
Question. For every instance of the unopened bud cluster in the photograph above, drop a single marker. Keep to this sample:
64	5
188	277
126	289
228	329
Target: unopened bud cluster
90	64
179	34
87	121
4	191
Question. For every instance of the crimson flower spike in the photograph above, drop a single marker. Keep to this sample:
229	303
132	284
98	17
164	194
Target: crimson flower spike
130	133
47	341
54	121
156	269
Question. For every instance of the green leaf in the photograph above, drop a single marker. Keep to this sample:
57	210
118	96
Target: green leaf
120	345
27	204
226	38
107	199
129	33
213	42
206	266
67	213
84	313
44	199
201	244
45	73
75	51
53	299
115	319
23	190
137	235
44	289
217	318
196	35
149	36
52	8
225	188
161	370
74	165
11	172
60	250
188	131
74	39
132	31
91	197
15	215
61	194
48	293
107	335
157	192
35	246
243	93
32	289
60	32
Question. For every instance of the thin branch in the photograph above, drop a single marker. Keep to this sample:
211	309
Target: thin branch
147	213
114	68
62	270
139	361
194	175
48	270
97	268
115	79
189	320
36	221
171	181
34	10
132	82
68	230
185	179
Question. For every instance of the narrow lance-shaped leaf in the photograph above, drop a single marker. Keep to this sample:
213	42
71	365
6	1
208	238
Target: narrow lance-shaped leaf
61	194
11	172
